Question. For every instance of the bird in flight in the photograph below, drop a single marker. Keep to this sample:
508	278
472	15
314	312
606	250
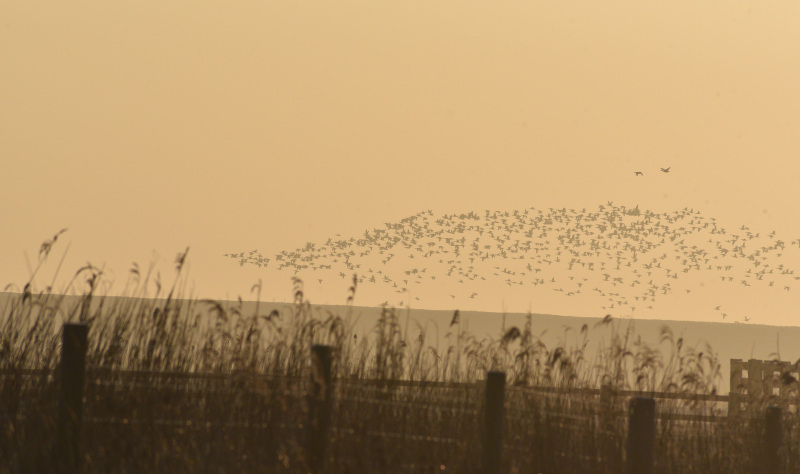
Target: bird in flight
666	170
639	173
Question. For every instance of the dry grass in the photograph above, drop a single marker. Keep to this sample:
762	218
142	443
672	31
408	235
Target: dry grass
185	385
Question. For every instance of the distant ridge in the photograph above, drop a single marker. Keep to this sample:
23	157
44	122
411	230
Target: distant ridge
728	341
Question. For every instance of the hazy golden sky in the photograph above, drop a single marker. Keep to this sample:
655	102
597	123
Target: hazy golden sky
227	126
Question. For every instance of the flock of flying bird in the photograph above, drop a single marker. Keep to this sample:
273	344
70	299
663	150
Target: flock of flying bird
627	256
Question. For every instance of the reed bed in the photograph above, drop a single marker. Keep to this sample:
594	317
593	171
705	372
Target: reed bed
176	384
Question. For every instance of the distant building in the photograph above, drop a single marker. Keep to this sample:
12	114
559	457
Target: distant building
756	383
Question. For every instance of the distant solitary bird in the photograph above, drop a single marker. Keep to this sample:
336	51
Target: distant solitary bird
666	170
639	173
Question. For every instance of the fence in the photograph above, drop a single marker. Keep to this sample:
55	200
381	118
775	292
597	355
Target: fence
474	418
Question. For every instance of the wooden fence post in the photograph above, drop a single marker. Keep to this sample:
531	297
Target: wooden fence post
641	436
319	407
493	423
770	463
74	343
